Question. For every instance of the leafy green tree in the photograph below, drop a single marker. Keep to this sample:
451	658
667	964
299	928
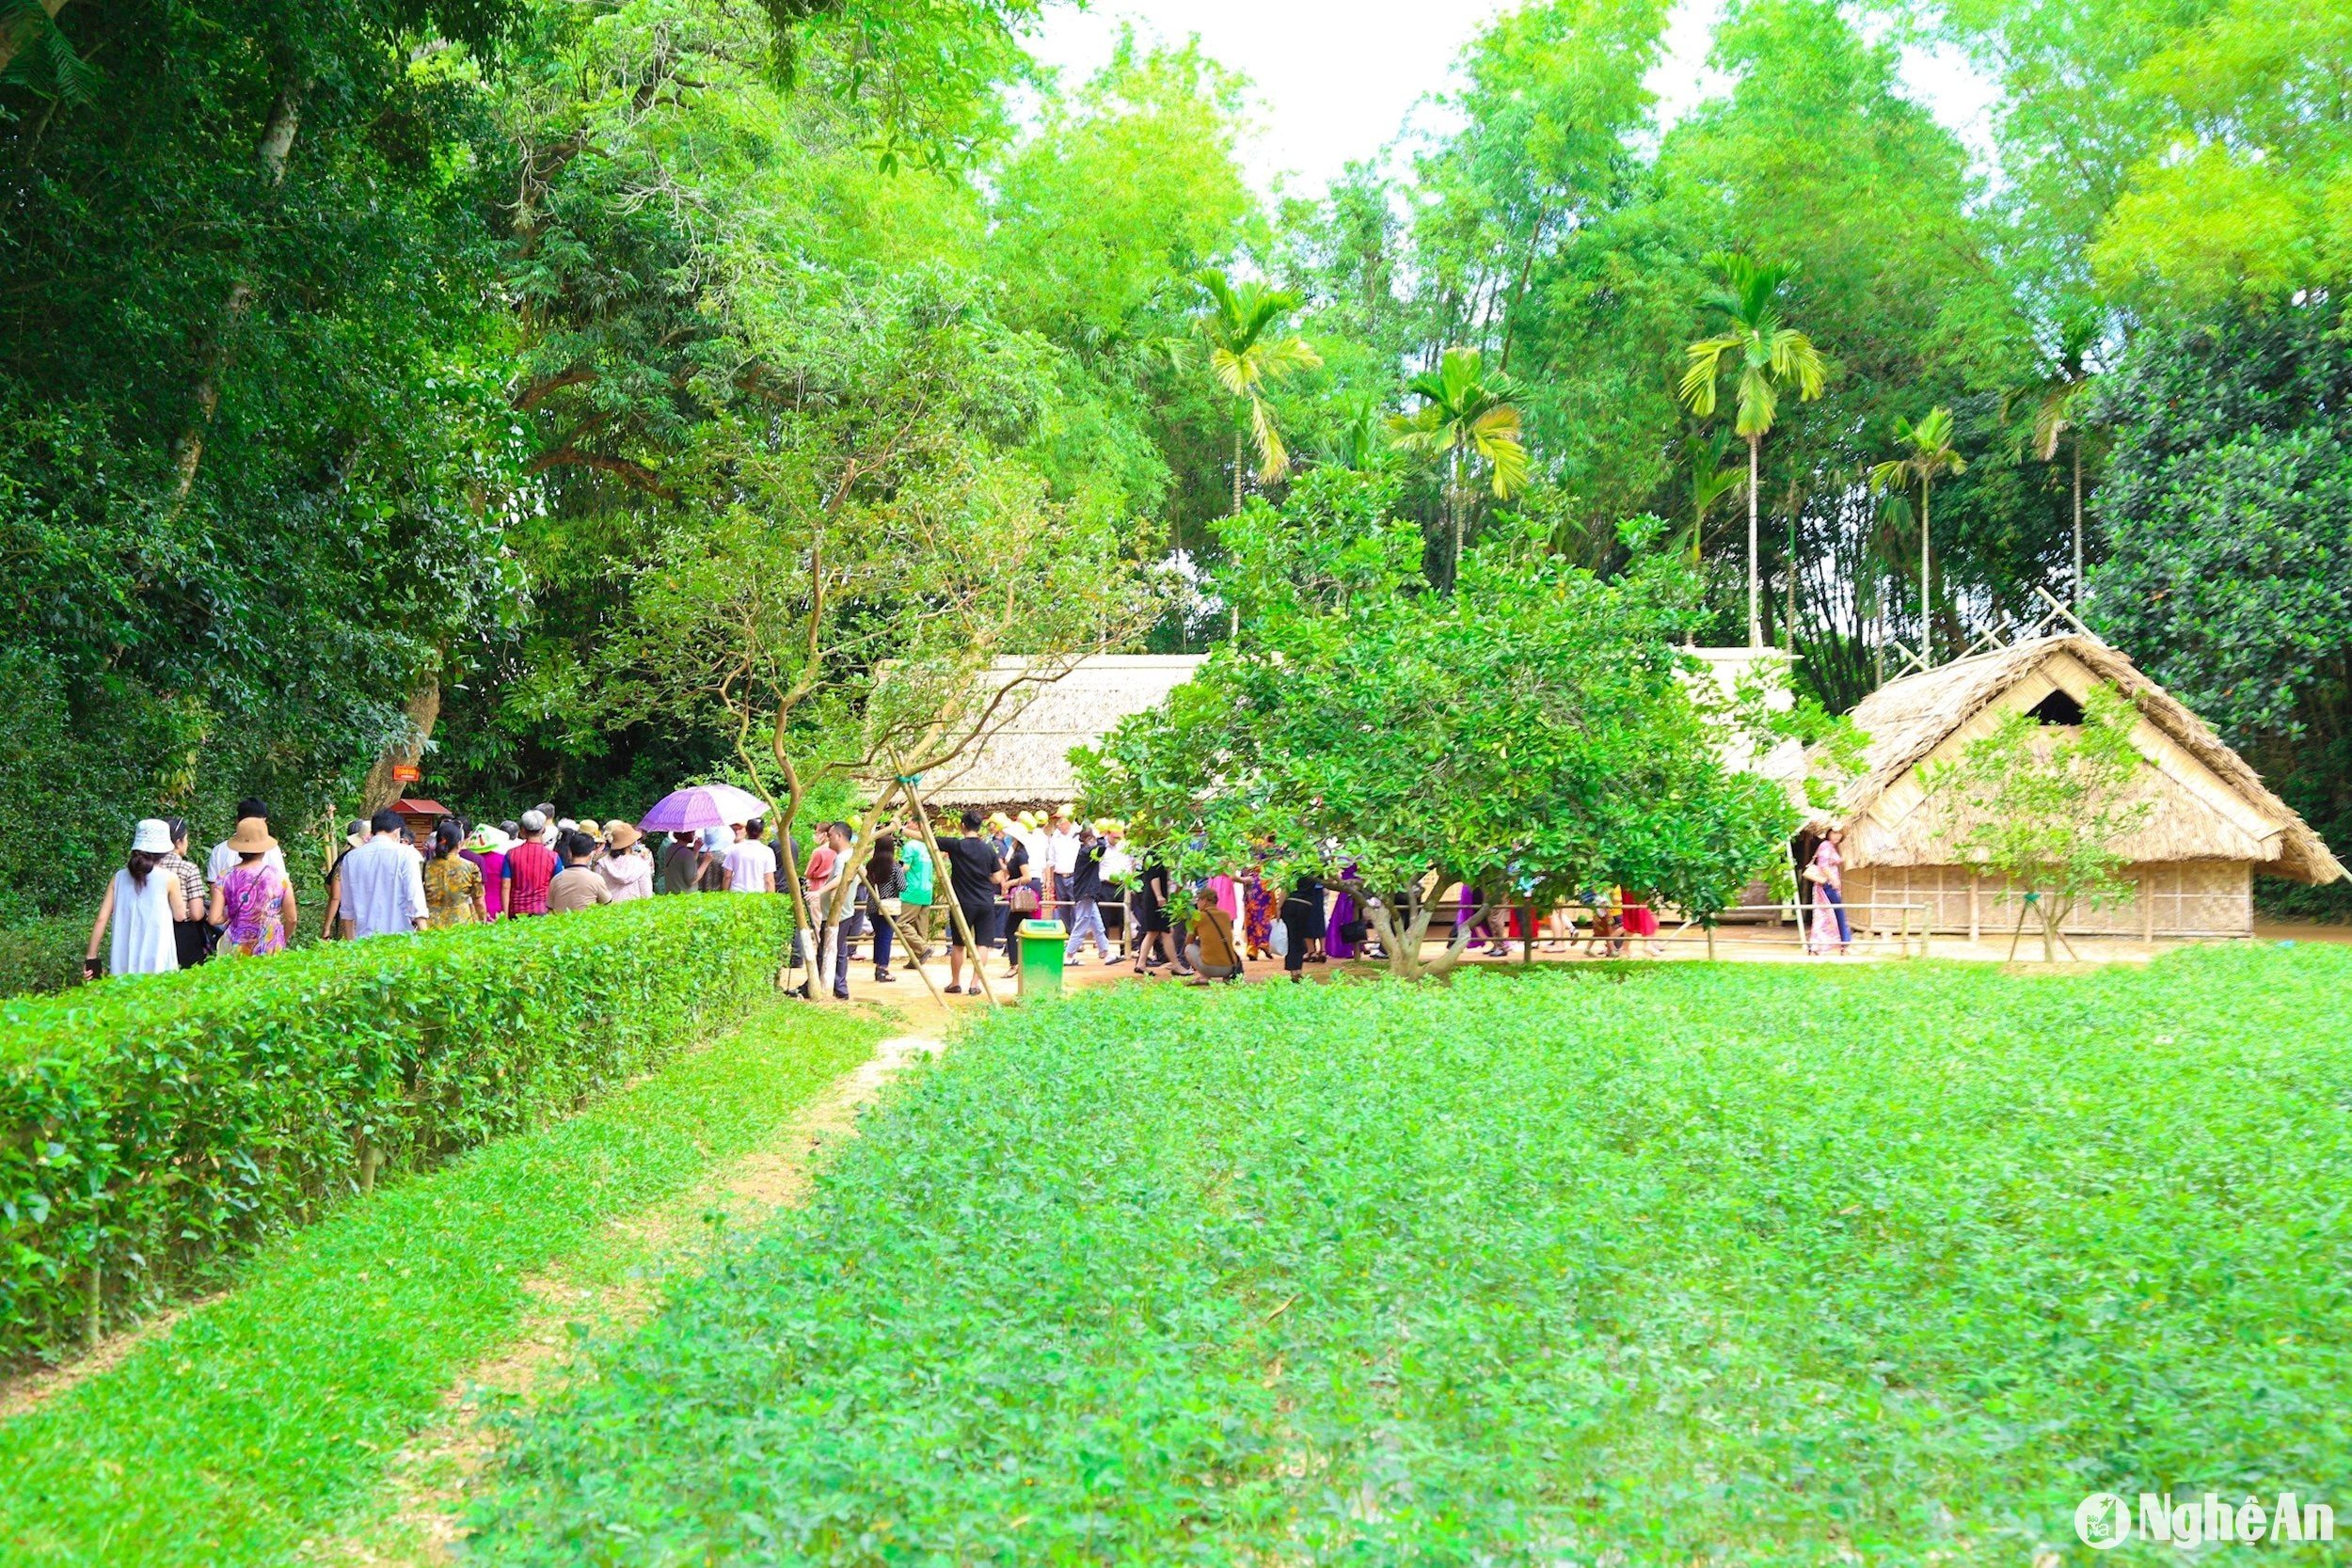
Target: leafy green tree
1533	731
878	547
1927	453
2165	156
1239	337
2228	566
1768	354
250	419
2047	806
1467	418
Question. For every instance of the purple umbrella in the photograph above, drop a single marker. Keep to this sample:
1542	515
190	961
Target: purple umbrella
702	806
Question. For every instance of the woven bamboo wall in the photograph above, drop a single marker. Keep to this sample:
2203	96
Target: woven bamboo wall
2192	899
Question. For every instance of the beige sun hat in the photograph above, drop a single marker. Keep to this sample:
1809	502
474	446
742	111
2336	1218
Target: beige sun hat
252	836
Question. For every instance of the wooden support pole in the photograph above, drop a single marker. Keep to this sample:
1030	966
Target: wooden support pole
939	867
864	874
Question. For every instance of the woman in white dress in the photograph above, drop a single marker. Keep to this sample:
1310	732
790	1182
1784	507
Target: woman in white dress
142	902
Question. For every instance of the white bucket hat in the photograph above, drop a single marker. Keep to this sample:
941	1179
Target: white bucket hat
153	837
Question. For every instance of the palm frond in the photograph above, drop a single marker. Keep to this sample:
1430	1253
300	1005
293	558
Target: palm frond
1697	386
1274	460
1793	354
1234	371
1504	454
1287	356
1758	402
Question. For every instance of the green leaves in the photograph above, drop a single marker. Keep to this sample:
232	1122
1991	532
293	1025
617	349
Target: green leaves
1770	353
1247	356
1528	735
1726	1263
195	1113
2047	806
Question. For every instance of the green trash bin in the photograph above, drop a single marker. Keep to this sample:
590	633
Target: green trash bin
1043	944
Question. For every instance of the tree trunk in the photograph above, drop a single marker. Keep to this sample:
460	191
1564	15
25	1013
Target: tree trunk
1453	505
841	902
1789	623
269	156
423	708
1402	941
1756	596
1237	451
1927	626
2078	525
805	936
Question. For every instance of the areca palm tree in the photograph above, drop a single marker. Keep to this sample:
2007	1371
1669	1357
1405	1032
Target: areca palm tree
1241	330
1710	482
1466	417
2056	395
1927	451
1770	353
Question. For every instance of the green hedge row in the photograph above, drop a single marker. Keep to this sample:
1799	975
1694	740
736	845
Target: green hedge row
153	1127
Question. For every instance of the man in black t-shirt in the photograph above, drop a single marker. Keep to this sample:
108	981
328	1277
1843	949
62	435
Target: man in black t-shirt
1087	889
975	872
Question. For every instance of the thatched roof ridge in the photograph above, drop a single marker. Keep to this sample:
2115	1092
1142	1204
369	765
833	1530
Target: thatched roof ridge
1906	719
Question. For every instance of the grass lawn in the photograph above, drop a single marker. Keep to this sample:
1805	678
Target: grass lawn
271	1415
1692	1264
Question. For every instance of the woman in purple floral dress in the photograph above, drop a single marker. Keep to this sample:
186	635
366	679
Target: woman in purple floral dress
252	902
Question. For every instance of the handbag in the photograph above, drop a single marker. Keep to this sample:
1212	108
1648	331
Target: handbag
1814	875
1280	939
892	909
1351	931
1022	901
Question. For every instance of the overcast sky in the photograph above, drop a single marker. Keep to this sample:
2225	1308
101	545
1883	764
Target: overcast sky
1336	79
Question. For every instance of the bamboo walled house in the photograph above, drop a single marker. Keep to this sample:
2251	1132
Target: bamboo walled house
2211	823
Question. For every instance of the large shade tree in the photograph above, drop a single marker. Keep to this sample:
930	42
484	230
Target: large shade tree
2227	516
1533	732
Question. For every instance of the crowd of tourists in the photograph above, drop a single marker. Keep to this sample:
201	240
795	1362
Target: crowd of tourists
166	911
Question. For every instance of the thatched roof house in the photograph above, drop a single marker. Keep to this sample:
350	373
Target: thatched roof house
2211	823
1025	762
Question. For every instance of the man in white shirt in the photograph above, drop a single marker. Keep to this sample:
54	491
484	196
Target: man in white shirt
1061	859
223	858
750	864
382	884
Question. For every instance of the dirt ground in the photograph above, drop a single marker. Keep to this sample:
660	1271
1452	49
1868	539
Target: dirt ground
1761	944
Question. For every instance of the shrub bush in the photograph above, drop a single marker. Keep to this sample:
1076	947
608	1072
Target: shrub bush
42	955
153	1127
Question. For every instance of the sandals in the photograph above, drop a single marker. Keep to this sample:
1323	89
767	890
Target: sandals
951	991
